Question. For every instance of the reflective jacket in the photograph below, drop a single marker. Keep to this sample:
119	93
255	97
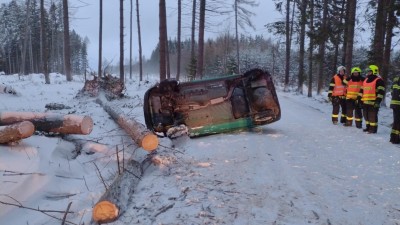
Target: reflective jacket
395	102
372	90
353	87
339	89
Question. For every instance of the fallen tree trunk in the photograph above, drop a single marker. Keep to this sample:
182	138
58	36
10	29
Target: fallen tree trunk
137	131
50	122
16	132
115	200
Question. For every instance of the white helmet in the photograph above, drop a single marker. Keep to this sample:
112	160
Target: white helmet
341	68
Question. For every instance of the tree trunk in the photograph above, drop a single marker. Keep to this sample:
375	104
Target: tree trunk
50	122
192	62
121	42
391	22
322	45
140	41
162	39
16	132
130	39
178	63
200	55
310	50
379	35
137	131
350	24
344	19
43	41
117	197
237	37
99	72
67	47
287	55
303	21
26	33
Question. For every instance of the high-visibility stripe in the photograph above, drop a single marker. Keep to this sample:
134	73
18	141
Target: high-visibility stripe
335	116
395	131
358	119
395	102
349	118
373	124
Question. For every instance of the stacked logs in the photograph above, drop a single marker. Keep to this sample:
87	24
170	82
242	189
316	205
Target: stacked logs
15	126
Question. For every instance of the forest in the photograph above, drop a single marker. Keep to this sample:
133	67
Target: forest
315	36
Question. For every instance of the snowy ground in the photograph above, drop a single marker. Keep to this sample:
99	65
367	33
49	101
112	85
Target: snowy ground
299	170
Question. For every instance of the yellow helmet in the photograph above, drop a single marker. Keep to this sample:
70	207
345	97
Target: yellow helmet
374	69
355	69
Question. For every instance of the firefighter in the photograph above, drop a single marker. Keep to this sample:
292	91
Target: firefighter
354	83
395	105
337	95
371	95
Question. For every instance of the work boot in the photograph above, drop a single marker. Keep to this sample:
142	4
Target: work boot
343	119
366	128
394	138
358	124
348	123
373	129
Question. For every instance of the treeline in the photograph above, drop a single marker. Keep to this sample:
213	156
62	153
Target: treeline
20	39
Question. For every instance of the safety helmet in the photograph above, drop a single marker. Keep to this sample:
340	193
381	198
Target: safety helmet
341	68
374	69
355	69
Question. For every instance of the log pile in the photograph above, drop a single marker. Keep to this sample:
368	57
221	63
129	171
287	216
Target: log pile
110	85
13	125
137	131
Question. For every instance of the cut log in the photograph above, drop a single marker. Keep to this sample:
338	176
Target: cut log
50	122
16	132
117	197
137	131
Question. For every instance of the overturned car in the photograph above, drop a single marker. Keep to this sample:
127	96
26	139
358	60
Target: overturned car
205	107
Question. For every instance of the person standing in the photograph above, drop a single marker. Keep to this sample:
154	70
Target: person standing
353	106
337	95
395	106
371	95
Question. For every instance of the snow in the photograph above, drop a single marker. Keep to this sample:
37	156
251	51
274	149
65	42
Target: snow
299	170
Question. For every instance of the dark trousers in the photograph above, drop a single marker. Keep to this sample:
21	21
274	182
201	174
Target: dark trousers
395	134
353	109
371	118
337	104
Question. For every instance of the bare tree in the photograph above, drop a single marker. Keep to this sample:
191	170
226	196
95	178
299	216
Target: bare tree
200	55
310	50
303	21
350	24
43	44
178	63
192	65
130	39
100	38
121	42
26	34
67	47
140	41
162	39
322	45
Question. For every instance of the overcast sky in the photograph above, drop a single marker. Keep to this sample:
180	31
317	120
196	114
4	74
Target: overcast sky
85	21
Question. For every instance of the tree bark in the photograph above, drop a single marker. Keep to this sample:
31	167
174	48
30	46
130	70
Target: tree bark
26	33
350	24
200	55
16	132
162	39
140	41
137	131
178	63
121	42
310	50
50	122
303	21
116	199
322	45
44	46
67	47
287	55
99	72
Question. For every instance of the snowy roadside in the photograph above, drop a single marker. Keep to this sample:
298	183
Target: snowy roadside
299	170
